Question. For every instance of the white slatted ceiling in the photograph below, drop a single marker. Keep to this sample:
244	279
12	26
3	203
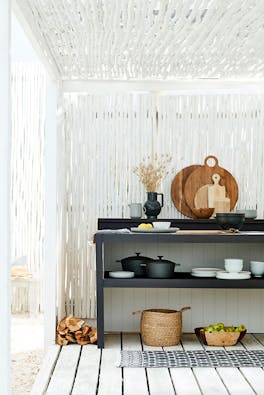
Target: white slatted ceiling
131	39
107	134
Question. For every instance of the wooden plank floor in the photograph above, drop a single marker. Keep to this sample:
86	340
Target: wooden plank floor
89	371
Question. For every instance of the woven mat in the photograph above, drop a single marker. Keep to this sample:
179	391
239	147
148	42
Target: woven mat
183	359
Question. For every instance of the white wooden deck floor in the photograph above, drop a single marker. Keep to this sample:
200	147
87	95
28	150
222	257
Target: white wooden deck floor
87	371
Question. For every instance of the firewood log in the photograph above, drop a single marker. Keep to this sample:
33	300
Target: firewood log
70	337
93	335
61	340
74	323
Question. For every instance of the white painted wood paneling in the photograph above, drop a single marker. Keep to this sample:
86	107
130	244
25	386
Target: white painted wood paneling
88	371
110	376
43	377
159	379
135	380
62	378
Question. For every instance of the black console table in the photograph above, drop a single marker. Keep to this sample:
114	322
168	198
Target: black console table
181	280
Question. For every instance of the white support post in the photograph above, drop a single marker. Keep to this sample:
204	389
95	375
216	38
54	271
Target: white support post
5	149
50	249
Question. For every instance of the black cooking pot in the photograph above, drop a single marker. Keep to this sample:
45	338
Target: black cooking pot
161	268
136	264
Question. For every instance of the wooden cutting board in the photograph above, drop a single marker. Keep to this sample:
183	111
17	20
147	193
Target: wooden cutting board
199	232
201	197
203	176
177	190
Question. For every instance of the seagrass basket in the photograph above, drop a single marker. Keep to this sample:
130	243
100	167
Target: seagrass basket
161	327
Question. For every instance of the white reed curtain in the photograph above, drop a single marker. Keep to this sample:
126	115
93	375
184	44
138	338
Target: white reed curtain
105	135
27	166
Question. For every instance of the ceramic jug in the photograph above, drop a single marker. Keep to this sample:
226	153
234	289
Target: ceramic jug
152	207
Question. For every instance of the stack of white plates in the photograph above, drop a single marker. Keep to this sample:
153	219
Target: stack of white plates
121	274
204	271
223	275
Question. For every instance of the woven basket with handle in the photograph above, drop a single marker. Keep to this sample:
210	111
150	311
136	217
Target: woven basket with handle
161	327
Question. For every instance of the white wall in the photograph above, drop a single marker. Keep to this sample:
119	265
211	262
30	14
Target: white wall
107	134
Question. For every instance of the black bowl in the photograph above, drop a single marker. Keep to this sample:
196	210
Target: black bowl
230	220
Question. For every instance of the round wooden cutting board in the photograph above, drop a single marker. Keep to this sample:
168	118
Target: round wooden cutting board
203	176
177	190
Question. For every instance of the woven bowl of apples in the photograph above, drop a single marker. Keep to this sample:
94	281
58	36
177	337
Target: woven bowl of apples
220	334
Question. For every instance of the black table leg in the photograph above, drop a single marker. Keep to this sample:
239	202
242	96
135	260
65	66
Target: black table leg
99	293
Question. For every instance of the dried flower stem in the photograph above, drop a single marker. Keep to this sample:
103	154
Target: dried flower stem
151	174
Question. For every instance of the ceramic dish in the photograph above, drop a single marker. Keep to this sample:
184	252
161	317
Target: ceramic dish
233	276
204	271
121	274
249	213
201	335
153	230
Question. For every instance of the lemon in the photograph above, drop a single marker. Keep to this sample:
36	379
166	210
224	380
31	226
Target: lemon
145	226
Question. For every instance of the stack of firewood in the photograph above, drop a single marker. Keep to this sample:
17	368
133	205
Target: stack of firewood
74	330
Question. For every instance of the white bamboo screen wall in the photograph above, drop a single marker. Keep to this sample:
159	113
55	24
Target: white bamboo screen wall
105	135
27	170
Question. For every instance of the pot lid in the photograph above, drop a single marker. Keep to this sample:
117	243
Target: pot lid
160	260
137	257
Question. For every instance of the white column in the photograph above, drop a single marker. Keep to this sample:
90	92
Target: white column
50	248
5	134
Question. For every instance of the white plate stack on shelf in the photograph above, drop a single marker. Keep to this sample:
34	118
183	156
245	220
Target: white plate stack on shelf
223	275
233	270
204	271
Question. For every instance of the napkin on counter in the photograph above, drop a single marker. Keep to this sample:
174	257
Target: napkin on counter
124	230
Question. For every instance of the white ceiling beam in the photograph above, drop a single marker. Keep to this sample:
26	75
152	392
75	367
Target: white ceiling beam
5	159
203	85
29	25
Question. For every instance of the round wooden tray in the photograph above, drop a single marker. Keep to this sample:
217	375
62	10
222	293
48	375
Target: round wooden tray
203	176
177	190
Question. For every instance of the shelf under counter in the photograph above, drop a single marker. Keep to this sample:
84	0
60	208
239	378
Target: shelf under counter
181	280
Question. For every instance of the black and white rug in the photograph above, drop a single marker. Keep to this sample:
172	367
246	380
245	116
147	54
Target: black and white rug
191	359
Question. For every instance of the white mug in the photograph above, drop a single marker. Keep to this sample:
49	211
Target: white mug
233	265
135	210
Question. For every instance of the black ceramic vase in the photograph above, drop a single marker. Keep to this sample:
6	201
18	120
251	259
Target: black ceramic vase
152	207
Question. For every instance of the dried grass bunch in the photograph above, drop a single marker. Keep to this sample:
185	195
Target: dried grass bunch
152	171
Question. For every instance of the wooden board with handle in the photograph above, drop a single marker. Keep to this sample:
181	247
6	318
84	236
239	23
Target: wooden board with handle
199	232
201	197
177	190
203	176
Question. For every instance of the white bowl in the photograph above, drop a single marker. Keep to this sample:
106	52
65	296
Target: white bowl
249	213
257	268
233	265
161	225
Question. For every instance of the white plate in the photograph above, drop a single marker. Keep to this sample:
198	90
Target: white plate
121	274
154	230
233	276
204	271
203	274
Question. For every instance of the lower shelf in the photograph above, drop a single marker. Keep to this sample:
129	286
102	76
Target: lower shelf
181	280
